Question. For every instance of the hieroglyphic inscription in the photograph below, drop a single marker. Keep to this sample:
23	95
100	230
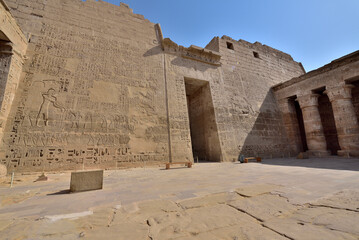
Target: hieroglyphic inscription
85	93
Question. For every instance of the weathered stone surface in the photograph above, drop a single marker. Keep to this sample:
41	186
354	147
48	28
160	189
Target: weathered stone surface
257	189
303	231
265	207
161	219
128	230
337	219
86	181
241	231
344	199
213	199
3	170
36	211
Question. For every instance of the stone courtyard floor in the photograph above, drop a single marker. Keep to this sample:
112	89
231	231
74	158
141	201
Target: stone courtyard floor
275	199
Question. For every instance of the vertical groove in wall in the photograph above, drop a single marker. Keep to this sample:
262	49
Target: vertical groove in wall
167	109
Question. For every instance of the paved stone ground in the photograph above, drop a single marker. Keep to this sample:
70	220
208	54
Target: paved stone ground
275	199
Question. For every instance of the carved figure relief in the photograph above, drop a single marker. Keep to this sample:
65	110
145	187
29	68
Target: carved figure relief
49	101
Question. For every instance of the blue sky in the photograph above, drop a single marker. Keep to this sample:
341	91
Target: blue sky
314	32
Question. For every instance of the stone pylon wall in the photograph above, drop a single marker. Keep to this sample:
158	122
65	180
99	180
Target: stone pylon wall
250	122
92	93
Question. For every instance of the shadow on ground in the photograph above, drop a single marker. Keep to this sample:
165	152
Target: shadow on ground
335	163
67	191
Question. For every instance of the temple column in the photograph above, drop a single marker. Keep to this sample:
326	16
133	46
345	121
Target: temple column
290	121
345	118
317	145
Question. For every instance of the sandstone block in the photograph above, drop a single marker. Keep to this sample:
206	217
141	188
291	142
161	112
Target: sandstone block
86	181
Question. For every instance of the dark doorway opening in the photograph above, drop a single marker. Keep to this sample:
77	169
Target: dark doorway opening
303	137
203	127
328	122
355	97
5	61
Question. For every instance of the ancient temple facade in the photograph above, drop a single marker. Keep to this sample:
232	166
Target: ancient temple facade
321	109
87	84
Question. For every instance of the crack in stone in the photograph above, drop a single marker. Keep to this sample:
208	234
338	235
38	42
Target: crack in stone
336	230
338	208
180	206
324	226
149	230
242	195
211	230
187	208
243	211
282	234
299	206
261	221
112	219
279	195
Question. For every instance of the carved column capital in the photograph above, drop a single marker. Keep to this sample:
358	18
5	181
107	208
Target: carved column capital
308	100
339	92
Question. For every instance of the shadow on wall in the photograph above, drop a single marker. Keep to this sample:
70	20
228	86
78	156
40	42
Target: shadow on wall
153	51
337	163
182	62
267	138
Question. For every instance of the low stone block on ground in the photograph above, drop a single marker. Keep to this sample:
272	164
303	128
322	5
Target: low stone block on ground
86	181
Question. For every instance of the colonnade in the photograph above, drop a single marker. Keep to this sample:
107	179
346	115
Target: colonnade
346	121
